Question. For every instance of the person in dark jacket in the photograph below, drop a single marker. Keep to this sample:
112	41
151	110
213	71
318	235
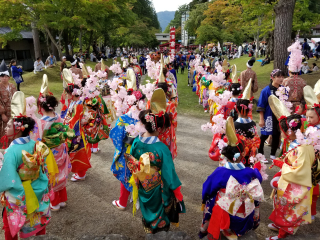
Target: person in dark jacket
16	72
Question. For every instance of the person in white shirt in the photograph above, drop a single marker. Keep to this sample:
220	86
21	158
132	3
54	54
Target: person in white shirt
38	65
314	68
305	68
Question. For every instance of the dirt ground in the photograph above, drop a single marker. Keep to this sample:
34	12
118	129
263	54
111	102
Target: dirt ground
90	212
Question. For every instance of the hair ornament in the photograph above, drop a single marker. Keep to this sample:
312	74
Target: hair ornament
150	118
236	156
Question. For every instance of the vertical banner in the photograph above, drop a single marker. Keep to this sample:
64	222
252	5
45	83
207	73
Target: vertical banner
172	40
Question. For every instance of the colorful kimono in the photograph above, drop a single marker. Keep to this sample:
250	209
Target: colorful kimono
239	220
169	136
5	104
292	204
79	153
121	141
263	105
30	217
247	130
229	109
155	192
97	128
60	152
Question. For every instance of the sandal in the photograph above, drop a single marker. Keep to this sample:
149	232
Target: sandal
273	227
117	205
76	178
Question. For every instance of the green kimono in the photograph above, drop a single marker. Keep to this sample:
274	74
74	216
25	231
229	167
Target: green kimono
15	198
155	198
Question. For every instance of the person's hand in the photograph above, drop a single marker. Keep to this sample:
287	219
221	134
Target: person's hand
261	123
4	118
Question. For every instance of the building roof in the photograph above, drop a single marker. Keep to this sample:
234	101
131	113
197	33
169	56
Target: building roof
316	27
25	34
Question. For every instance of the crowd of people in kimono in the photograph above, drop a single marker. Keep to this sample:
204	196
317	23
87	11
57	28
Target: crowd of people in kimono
289	119
43	148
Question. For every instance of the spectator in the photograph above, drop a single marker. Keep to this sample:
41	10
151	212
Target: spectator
317	53
63	65
265	61
314	68
51	61
142	63
264	49
306	48
16	72
305	68
38	65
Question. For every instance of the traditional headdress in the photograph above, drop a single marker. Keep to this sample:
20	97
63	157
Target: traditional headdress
234	74
3	69
84	70
316	90
131	79
18	105
167	60
251	62
162	78
225	66
206	63
103	66
67	76
310	97
125	63
295	59
158	105
247	91
278	108
231	133
44	91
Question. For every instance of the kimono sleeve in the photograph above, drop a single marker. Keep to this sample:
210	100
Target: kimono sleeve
212	185
168	171
9	177
263	100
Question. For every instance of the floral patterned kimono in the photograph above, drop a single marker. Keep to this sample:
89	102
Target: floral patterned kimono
120	140
5	104
156	189
60	152
169	136
229	181
26	202
97	128
292	204
79	153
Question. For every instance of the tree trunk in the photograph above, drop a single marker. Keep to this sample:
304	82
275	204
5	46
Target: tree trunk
80	39
90	42
36	40
282	32
53	40
54	50
256	54
270	49
66	42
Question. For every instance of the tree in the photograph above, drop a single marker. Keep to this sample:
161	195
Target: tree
282	31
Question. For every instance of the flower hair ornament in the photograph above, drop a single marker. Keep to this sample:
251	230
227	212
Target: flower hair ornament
151	119
294	123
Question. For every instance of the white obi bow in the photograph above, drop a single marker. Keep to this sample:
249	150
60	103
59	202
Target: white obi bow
236	194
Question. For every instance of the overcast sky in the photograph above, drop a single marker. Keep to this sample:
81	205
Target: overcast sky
168	5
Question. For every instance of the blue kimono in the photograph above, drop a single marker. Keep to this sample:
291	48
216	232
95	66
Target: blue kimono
263	105
118	134
217	181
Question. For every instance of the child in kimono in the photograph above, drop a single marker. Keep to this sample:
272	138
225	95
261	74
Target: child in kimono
154	177
220	191
27	168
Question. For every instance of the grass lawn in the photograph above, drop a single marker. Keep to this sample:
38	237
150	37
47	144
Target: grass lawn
188	100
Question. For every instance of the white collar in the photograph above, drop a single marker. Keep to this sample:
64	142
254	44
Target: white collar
234	166
244	120
50	119
20	140
149	140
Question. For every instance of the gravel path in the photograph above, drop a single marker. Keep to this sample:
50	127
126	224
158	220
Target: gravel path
90	212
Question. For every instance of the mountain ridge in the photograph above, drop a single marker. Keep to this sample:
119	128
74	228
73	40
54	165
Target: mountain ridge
164	18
